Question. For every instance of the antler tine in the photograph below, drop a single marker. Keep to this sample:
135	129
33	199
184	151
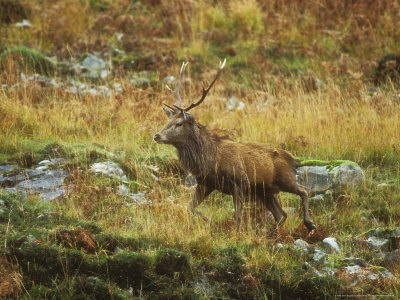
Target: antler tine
205	91
176	91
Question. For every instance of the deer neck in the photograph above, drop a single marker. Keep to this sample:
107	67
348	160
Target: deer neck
198	153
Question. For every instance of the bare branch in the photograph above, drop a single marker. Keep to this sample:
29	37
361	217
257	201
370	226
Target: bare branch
176	91
205	91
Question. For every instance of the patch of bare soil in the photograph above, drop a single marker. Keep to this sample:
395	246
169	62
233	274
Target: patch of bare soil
313	237
78	238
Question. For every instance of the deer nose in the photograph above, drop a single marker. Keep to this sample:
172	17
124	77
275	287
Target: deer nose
156	137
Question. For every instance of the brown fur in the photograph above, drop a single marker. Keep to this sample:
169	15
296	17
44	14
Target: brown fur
243	170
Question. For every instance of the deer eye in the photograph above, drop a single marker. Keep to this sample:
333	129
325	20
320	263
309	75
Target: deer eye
179	124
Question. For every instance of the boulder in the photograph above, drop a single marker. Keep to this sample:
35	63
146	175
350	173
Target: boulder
93	67
331	176
330	244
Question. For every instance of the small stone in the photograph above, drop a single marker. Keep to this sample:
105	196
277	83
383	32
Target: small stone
330	244
118	250
24	23
169	80
318	197
108	168
377	243
234	104
302	245
319	256
190	180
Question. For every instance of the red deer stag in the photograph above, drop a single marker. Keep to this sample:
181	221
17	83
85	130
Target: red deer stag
253	170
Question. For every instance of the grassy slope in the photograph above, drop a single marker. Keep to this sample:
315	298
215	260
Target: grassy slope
272	49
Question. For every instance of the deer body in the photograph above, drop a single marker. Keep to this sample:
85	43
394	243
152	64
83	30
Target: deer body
250	171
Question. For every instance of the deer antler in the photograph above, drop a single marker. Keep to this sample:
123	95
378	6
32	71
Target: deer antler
176	92
205	91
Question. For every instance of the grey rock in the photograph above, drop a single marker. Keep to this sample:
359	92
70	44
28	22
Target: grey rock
52	162
360	274
234	104
48	186
93	67
136	198
23	23
301	245
108	168
317	197
319	179
139	198
140	81
118	250
31	239
7	168
169	80
378	243
319	257
385	185
347	175
330	244
315	178
190	180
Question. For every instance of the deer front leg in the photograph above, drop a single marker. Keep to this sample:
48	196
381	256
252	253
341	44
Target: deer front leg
201	192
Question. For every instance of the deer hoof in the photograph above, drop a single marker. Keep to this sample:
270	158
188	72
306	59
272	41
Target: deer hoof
310	226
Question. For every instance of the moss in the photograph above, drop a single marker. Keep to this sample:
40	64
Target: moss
53	150
173	263
28	59
330	164
126	269
42	263
91	226
92	287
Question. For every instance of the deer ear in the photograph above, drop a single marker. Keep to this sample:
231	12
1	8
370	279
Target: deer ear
168	112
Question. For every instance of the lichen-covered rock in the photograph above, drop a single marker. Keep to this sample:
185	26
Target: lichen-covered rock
378	243
108	168
315	178
347	175
93	67
330	176
331	245
356	274
303	246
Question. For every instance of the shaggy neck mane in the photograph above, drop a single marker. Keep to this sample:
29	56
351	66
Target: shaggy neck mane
198	153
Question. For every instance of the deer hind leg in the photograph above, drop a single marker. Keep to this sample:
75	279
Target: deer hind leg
291	186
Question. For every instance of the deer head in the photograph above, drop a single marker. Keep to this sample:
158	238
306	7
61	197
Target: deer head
181	123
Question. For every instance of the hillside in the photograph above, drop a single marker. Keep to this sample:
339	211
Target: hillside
82	89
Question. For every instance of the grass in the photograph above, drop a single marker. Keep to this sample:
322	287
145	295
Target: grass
270	48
